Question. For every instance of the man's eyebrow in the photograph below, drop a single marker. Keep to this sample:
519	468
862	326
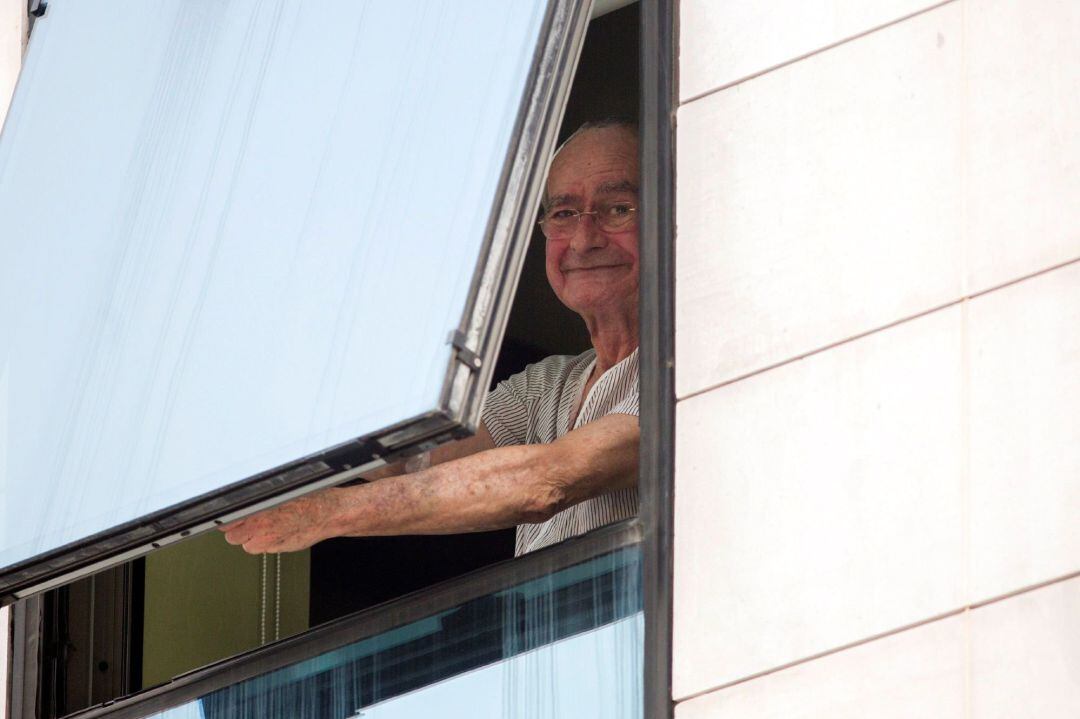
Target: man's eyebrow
604	188
566	198
614	188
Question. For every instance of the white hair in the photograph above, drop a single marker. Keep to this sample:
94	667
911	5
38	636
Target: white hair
603	124
598	125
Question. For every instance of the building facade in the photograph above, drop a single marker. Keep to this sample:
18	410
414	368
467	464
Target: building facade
878	359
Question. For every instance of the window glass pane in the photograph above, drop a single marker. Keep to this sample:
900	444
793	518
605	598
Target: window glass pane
566	645
236	234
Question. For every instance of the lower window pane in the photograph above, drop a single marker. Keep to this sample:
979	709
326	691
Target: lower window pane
568	644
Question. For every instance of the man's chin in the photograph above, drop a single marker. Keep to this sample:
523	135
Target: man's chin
586	296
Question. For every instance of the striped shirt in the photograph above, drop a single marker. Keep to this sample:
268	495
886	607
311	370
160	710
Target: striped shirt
535	407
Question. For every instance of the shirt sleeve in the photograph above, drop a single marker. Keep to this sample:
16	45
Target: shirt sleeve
506	411
511	409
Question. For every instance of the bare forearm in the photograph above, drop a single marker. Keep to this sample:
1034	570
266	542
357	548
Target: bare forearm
483	491
497	488
487	490
475	493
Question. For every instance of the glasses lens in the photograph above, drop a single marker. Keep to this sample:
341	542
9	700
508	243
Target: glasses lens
559	223
615	216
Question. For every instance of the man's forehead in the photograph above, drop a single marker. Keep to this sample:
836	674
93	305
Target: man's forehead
594	161
577	194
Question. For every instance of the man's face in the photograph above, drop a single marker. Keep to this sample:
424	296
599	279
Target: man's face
593	271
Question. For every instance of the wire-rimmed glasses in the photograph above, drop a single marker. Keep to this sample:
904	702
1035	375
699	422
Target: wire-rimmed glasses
560	223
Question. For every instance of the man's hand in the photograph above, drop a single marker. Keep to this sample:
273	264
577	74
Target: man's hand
290	527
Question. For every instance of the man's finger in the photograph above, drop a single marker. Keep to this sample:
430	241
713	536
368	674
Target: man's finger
235	524
244	529
264	544
239	534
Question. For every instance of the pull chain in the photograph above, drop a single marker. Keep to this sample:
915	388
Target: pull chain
262	601
264	598
277	597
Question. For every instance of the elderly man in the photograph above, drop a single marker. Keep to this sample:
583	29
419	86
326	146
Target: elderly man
556	452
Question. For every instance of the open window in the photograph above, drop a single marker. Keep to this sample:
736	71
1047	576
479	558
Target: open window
225	292
460	359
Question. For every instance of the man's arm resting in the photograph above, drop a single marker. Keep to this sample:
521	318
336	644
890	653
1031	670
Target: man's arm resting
491	489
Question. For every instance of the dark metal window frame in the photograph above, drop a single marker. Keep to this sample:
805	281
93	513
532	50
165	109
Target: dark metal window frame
653	530
367	623
657	352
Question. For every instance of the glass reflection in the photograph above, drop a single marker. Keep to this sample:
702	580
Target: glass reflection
566	645
235	234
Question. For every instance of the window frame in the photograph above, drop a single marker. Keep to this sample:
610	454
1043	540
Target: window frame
369	622
652	530
475	344
656	475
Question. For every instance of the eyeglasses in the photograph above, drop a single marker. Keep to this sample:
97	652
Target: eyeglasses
561	223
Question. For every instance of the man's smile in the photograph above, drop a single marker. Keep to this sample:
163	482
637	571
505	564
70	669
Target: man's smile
595	267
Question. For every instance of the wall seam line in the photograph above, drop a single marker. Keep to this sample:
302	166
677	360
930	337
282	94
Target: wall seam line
953	613
880	328
812	53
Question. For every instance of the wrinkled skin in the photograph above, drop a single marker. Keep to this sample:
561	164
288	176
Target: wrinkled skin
595	273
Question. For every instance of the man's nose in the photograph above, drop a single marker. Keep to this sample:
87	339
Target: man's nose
588	235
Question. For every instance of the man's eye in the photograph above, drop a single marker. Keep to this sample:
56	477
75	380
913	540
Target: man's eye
620	210
562	214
